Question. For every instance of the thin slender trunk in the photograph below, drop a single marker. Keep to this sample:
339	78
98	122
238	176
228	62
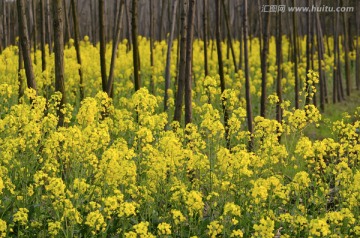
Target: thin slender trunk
247	77
357	46
48	29
161	20
335	69
340	80
188	67
67	25
136	58
221	71
4	22
92	21
128	23
168	56
77	46
241	43
42	34
25	45
102	22
230	43
320	58
59	56
295	53
279	64
110	83
308	52
20	78
182	63
34	30
264	53
346	48
152	85
205	23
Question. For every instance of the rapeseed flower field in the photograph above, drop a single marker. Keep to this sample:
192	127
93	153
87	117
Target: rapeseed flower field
114	171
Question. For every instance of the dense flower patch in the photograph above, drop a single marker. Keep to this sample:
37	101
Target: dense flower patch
114	171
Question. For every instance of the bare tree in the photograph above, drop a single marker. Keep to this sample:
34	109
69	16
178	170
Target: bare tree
168	55
247	76
264	53
102	43
128	23
357	46
114	49
279	63
77	46
188	75
308	52
136	58
221	71
295	59
25	44
346	47
3	24
320	58
160	24
48	28
335	69
182	63
58	21
42	34
34	29
67	24
20	78
152	85
205	26
228	28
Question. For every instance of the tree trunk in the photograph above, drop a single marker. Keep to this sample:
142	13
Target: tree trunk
188	75
102	44
67	25
308	52
241	43
21	67
182	63
4	26
168	56
161	19
77	46
205	26
34	29
295	54
25	45
58	21
357	46
93	24
128	23
136	58
110	84
42	34
48	29
230	43
151	34
335	70
264	53
320	58
221	70
247	77
279	64
313	26
346	48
